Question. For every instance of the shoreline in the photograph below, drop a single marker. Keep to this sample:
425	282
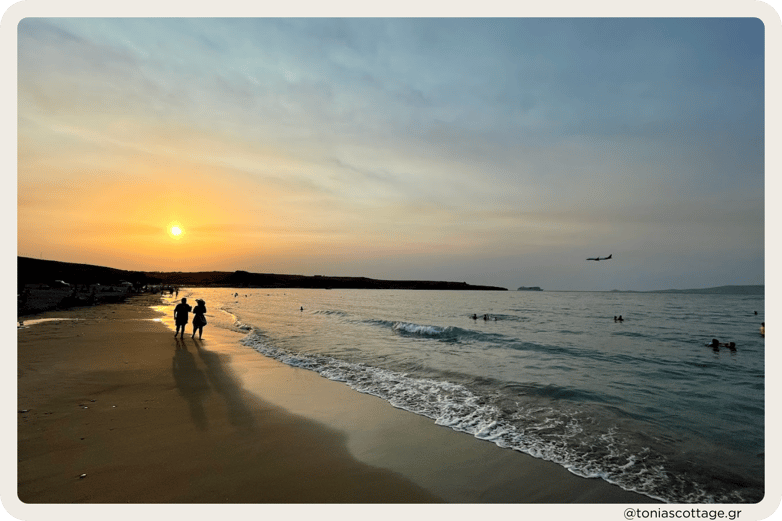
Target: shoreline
153	421
213	421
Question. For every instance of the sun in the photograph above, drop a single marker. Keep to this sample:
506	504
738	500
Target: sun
175	230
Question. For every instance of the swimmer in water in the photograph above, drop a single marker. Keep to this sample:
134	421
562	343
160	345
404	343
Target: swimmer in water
716	344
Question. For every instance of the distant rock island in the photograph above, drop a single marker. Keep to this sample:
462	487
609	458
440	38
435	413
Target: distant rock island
38	271
530	288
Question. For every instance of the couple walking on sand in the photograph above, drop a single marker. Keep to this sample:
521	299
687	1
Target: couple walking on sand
199	320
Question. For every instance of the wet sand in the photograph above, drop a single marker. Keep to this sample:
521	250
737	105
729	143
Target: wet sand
114	409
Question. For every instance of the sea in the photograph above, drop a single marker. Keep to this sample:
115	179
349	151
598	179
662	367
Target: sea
643	403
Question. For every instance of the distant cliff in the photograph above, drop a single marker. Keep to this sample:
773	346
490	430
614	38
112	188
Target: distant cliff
37	271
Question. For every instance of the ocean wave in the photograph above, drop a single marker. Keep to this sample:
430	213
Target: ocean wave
441	333
331	312
536	421
445	333
235	322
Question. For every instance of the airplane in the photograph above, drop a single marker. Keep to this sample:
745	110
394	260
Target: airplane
600	258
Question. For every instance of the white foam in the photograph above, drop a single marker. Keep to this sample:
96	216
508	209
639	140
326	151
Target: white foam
552	434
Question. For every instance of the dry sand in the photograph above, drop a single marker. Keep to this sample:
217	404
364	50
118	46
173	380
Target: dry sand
114	409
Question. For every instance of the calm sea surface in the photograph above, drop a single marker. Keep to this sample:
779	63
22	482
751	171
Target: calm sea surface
643	404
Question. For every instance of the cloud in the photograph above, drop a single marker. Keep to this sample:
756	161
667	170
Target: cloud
475	140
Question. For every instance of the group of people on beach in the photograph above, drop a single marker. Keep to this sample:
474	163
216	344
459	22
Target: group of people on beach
181	317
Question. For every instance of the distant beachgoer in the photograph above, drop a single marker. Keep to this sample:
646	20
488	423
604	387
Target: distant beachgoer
620	319
716	344
199	320
180	316
474	316
302	308
485	317
763	329
615	319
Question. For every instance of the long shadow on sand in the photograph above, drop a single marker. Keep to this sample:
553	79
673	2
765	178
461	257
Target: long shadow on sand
191	382
224	382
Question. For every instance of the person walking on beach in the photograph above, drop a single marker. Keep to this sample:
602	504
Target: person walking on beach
180	316
199	320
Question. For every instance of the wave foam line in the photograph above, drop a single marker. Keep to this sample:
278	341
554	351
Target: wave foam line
560	439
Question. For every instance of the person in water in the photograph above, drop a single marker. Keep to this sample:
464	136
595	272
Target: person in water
199	320
716	344
180	316
763	329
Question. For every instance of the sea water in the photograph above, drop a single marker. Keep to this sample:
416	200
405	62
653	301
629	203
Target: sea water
642	403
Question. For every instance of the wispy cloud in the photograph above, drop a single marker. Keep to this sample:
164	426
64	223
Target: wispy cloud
511	136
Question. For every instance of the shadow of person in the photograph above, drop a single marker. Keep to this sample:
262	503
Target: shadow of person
230	388
191	383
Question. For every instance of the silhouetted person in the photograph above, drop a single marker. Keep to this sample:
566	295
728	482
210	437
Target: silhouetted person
180	316
716	344
620	319
199	320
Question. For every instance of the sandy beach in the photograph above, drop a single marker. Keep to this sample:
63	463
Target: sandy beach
113	409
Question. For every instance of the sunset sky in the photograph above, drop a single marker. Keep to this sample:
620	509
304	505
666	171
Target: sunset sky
491	151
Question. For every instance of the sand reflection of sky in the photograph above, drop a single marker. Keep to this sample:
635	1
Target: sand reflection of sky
34	321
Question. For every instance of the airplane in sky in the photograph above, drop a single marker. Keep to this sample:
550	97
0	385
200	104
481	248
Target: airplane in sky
600	258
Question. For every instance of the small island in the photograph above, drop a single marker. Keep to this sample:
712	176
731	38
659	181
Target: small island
530	288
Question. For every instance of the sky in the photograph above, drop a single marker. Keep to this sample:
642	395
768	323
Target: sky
496	151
